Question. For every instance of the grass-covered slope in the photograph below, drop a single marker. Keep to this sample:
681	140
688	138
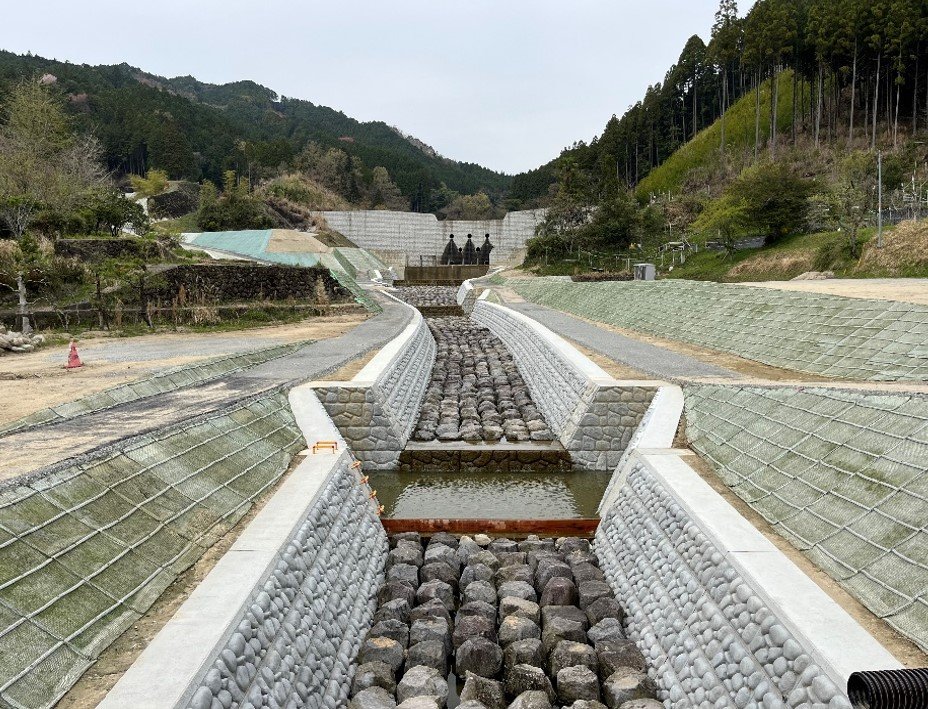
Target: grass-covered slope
703	151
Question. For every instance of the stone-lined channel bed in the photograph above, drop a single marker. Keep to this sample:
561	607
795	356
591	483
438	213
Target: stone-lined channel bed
494	623
476	392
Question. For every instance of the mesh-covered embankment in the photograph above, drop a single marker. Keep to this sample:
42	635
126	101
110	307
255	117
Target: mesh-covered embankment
849	338
86	550
159	383
841	474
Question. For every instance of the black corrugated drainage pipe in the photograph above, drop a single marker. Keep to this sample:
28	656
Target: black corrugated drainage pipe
889	689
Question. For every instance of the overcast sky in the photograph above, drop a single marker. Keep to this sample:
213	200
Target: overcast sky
504	83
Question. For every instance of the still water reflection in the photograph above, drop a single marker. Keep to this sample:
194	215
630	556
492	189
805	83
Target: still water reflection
490	495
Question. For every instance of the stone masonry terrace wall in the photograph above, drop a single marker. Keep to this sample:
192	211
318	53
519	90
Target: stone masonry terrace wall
86	550
593	415
841	474
820	334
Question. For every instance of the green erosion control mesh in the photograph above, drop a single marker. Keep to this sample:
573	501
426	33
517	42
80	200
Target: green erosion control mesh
160	383
253	244
842	475
84	552
850	338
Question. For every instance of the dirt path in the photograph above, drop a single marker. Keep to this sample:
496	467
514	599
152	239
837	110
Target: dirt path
906	290
38	380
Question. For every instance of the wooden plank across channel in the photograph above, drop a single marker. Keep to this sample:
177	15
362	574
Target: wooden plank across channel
581	527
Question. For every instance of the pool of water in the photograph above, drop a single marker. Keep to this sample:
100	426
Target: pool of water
423	494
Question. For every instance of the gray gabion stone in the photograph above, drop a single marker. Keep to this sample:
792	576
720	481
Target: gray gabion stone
531	700
404	573
566	545
486	691
405	554
571	654
373	674
615	654
603	608
472	704
642	704
559	591
430	629
430	609
436	589
421	681
446	538
591	704
372	698
429	653
559	629
397	609
523	652
475	572
484	610
517	589
624	685
439	570
514	628
382	650
482	591
575	683
587	572
520	608
514	572
395	590
549	613
480	656
549	568
590	591
487	558
409	537
443	553
606	630
391	629
473	626
420	703
528	678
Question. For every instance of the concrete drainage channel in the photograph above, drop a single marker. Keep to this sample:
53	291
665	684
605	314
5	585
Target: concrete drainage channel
670	599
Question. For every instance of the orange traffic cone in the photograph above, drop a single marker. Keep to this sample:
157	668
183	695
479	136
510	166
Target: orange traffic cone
74	361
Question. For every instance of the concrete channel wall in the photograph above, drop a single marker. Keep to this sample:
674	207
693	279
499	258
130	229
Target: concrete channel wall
723	617
593	415
377	410
412	234
86	549
840	473
279	619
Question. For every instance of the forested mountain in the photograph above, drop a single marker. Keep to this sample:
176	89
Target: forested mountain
196	131
858	73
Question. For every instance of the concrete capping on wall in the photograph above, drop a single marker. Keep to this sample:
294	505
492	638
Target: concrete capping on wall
179	667
699	567
593	415
377	410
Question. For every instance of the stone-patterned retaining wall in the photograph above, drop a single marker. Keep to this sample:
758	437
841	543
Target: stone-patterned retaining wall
709	637
841	474
377	410
422	234
593	415
302	627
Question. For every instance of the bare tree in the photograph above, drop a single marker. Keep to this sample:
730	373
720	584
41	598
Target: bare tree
43	165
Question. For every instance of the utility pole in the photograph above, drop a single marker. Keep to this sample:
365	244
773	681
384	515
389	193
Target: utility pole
879	199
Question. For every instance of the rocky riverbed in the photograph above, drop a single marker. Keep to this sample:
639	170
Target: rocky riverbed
428	296
495	624
476	392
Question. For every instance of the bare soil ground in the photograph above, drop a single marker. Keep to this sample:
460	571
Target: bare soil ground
903	649
113	662
906	290
38	380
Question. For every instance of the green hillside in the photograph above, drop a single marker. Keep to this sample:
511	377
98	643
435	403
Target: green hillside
195	131
703	151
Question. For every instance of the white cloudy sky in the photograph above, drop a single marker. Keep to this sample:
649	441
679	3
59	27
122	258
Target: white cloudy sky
506	84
